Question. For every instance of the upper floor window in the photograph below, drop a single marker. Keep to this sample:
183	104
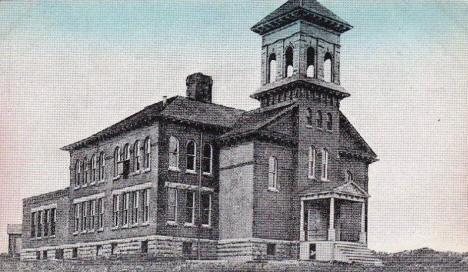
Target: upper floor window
271	73
173	153
116	161
86	171
324	165
33	225
190	208
207	159
94	168
329	121
191	156
272	173
77	173
172	204
319	119
126	152
310	117
206	209
145	194
310	62
102	163
348	176
289	56
115	210
147	153
136	156
312	156
327	68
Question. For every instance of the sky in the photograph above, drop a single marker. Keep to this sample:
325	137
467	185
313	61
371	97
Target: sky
71	68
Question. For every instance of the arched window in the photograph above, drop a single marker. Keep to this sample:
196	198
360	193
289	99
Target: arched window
312	155
147	153
207	159
289	57
272	173
191	156
116	161
327	68
173	153
77	173
329	121
310	117
348	176
94	169
319	119
102	164
136	156
271	75
310	62
126	152
86	171
324	165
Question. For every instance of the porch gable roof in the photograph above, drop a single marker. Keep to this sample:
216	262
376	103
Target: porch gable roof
328	189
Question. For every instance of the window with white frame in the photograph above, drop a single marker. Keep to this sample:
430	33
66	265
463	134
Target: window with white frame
325	164
85	208
77	173
86	172
173	153
191	156
310	117
312	156
83	216
147	160
125	204
319	119
207	162
171	204
77	216
190	208
135	207
272	173
116	161
145	205
329	121
39	223
349	176
100	207
94	168
206	209
136	156
53	218
115	210
33	224
102	164
46	223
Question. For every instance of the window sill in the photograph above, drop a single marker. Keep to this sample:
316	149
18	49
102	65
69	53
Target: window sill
115	228
309	126
171	223
132	226
136	173
206	226
146	170
312	178
116	178
273	190
193	172
325	180
101	181
189	225
318	128
92	183
125	226
145	224
174	169
100	230
84	186
77	188
75	233
207	174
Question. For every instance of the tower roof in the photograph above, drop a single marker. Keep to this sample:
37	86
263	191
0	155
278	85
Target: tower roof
309	10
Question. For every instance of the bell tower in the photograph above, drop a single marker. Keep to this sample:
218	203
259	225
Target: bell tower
300	42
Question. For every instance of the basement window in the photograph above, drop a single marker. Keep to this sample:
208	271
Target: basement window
75	253
271	249
144	247
187	249
59	254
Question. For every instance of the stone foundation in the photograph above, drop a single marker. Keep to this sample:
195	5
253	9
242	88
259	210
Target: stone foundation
257	249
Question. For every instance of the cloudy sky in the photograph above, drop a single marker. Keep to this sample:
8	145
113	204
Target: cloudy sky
71	68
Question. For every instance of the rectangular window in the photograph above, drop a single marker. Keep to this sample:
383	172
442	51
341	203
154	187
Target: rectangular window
82	216
272	173
135	206
144	246
92	214
190	208
46	223
146	205
39	223
75	253
38	255
101	213
312	155
115	210
33	225
113	248
271	249
187	249
59	254
325	165
125	204
206	209
172	204
52	221
77	217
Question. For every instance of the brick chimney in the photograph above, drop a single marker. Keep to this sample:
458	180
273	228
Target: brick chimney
199	87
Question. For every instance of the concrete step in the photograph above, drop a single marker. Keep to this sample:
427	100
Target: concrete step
358	253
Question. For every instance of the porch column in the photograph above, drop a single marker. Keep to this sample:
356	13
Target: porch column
363	234
301	231
331	229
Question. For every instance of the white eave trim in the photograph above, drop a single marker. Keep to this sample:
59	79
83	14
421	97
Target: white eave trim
45	207
133	188
187	187
86	198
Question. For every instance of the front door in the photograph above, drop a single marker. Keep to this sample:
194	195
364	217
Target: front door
315	225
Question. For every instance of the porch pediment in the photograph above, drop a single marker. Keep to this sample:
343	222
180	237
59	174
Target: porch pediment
350	191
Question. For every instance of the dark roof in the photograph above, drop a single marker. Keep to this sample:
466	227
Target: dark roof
296	9
47	196
253	121
365	149
176	108
14	228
